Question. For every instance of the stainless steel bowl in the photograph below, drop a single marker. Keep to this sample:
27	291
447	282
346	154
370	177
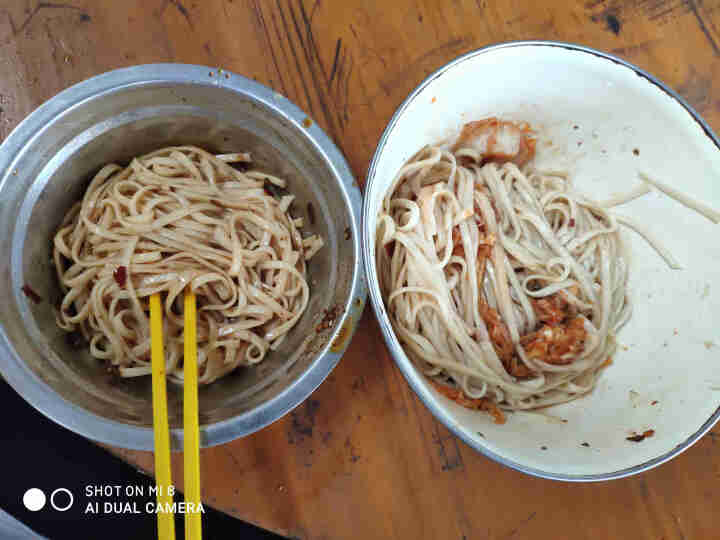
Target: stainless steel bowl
45	165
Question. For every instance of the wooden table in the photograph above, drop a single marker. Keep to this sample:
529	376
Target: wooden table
363	458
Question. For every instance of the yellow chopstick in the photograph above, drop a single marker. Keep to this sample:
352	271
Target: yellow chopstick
193	521
163	476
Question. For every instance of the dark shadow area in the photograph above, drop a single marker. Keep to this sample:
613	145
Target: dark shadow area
36	453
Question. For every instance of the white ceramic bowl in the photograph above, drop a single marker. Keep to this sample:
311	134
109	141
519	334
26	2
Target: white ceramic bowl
593	113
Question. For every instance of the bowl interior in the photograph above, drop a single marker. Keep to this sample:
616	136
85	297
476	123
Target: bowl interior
602	121
52	173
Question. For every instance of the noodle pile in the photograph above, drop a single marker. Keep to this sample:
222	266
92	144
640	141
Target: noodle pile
505	286
175	218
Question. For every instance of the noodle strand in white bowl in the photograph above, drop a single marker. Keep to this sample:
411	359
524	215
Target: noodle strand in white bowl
505	285
175	218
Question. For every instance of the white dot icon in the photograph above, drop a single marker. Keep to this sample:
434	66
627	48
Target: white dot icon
34	499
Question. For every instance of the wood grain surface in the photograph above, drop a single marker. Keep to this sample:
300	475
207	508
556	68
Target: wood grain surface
363	458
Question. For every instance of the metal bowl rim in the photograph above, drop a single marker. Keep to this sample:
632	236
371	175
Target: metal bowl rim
407	368
42	396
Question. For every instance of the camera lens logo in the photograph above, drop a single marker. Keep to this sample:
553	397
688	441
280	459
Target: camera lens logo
34	499
56	502
61	499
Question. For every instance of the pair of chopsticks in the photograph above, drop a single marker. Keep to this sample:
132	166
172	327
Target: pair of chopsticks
191	427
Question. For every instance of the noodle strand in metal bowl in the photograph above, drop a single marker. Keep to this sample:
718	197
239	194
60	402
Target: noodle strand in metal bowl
180	217
505	285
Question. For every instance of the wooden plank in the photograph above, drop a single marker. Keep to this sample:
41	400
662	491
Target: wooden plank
363	458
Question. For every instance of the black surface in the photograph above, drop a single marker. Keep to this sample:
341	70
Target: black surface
38	453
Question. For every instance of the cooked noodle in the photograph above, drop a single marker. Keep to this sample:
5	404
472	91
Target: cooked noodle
635	193
175	218
505	286
697	206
